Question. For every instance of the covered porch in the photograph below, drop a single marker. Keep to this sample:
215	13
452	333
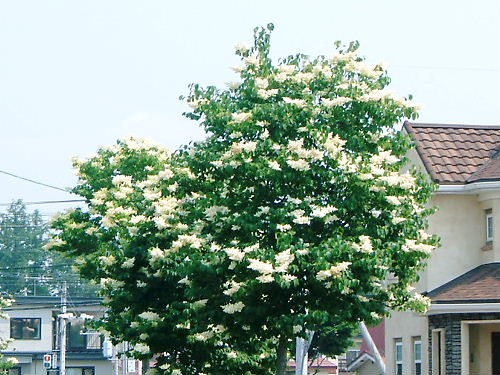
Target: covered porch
464	324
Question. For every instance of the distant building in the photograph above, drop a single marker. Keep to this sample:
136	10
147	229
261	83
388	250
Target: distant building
319	366
35	330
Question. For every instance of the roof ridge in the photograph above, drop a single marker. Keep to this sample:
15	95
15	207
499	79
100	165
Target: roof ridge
458	126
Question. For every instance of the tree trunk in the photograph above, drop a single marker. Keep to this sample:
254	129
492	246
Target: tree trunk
281	356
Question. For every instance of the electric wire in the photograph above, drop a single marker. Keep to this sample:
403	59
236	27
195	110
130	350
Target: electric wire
47	202
35	182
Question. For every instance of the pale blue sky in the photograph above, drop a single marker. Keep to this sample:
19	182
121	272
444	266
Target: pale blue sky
75	75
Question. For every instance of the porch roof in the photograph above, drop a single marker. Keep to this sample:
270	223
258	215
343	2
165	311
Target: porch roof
480	285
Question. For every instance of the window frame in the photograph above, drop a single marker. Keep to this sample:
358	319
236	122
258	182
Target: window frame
84	369
37	323
488	216
417	360
398	360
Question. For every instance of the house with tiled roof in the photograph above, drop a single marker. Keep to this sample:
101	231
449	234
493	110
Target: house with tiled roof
460	333
319	366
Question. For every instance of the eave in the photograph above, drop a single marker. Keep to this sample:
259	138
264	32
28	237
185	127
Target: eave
472	188
463	308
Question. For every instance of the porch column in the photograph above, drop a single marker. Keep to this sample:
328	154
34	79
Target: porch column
464	330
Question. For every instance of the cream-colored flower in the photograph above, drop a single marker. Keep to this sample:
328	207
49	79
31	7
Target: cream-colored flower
274	165
261	83
232	308
299	165
364	245
240	117
241	47
335	102
141	348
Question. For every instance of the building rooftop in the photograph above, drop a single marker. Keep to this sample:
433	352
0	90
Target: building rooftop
458	154
480	285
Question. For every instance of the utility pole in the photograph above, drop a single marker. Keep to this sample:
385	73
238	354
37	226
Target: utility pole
124	358
62	330
301	358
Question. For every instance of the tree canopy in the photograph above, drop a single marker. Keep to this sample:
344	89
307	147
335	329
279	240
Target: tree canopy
26	268
288	218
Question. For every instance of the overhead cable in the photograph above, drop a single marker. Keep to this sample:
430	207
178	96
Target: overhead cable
35	182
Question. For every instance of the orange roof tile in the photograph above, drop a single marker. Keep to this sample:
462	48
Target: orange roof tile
457	154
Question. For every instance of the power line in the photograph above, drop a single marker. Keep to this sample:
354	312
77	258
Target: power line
49	266
47	202
35	182
457	68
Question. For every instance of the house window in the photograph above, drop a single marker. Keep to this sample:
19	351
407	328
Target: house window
81	339
75	337
417	356
25	328
15	371
351	355
438	352
489	226
80	371
399	357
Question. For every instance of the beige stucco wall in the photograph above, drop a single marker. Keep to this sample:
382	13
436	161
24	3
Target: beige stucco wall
406	326
491	200
460	224
369	368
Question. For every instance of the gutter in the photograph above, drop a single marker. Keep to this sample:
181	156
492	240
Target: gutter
472	188
458	308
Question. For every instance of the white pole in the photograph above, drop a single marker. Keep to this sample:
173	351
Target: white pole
62	332
373	348
116	360
301	357
124	358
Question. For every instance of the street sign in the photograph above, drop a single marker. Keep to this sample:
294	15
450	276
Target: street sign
47	360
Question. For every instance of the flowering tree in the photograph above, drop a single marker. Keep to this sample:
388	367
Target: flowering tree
288	218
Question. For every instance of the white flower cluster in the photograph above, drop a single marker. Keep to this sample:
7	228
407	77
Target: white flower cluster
232	308
300	218
231	287
297	147
322	211
141	348
335	102
299	165
267	269
414	245
364	245
334	144
301	103
384	157
403	180
334	271
240	117
149	315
